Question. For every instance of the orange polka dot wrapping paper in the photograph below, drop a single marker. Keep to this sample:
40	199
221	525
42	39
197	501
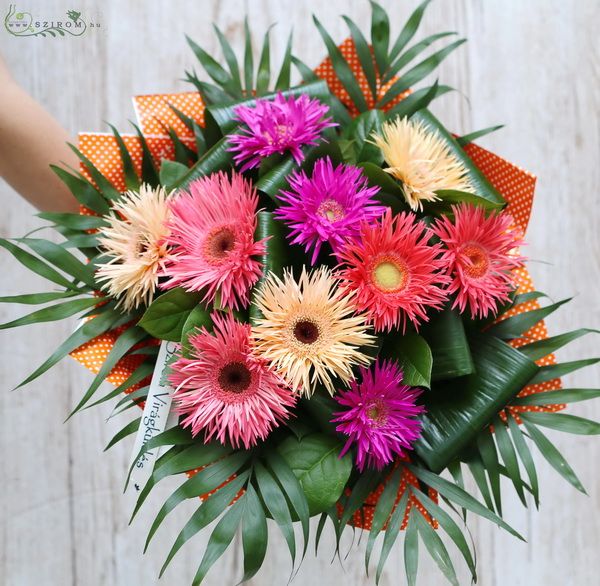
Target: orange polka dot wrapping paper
157	112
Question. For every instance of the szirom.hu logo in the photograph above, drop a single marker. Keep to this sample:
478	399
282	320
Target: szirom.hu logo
23	24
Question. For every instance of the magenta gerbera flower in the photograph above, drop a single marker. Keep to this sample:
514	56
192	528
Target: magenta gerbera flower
212	234
329	206
226	391
480	254
380	416
279	125
394	272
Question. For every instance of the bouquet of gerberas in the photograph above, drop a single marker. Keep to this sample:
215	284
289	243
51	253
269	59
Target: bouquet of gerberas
317	296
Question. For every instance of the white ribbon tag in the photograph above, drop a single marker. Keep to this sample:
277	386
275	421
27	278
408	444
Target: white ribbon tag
156	418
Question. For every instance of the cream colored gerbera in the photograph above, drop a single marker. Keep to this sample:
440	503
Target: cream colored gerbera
419	158
309	331
135	244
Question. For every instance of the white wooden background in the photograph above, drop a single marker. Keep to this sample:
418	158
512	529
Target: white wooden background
533	65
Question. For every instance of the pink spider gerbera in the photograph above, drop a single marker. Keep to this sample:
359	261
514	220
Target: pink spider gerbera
380	416
278	126
480	254
226	391
394	272
329	206
212	234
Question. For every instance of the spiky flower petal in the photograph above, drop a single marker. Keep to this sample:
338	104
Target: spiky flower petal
225	390
394	272
279	125
329	206
212	234
480	254
135	245
309	331
380	416
421	160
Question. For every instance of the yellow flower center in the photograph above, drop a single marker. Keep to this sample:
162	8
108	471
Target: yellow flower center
390	275
477	261
234	377
331	210
219	243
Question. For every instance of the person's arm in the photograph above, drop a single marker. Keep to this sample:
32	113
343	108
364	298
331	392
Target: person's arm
30	139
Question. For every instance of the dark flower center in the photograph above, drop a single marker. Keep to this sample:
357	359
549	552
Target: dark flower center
235	377
478	262
377	413
306	332
220	243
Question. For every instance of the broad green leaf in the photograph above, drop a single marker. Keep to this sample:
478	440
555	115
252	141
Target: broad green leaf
436	549
217	158
254	534
165	317
361	131
414	356
199	317
53	313
321	472
205	514
171	173
450	197
553	456
342	69
563	422
445	334
390	193
541	348
557	397
456	410
526	457
516	325
460	497
220	539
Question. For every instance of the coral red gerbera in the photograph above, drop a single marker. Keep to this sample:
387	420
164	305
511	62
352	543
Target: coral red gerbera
278	126
380	416
212	233
226	391
480	254
394	271
329	206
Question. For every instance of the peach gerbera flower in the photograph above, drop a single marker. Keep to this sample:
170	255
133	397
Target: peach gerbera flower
421	160
134	243
309	331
